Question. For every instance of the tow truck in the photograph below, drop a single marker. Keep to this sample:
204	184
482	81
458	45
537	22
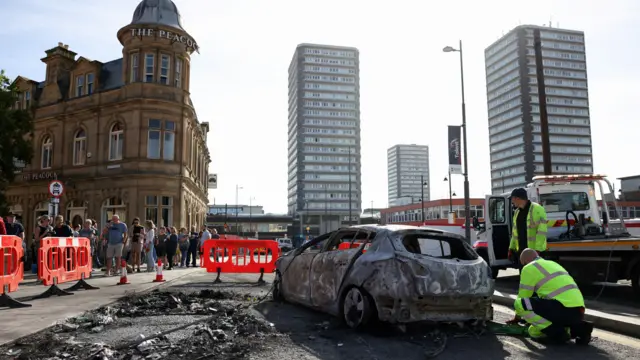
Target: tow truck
581	238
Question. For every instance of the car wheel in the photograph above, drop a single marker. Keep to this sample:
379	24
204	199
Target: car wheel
357	308
276	293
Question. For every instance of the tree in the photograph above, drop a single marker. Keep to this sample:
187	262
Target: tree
16	137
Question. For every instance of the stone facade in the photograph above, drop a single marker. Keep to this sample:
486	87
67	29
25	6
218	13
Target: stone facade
123	136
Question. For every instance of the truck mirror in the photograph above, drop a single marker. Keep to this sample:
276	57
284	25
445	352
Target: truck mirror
476	223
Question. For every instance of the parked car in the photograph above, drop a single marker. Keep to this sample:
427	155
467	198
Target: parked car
407	274
285	244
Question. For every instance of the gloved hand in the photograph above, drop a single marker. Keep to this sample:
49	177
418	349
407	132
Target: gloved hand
514	321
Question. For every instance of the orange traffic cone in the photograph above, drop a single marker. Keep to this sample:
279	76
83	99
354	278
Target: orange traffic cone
159	277
123	274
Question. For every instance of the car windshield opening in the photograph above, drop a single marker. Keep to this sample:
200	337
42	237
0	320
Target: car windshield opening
438	247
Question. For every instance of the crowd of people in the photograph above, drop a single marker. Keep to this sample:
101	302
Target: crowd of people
138	244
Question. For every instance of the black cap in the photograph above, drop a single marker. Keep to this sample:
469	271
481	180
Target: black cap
520	193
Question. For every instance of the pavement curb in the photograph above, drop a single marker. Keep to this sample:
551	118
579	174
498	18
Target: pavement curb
602	322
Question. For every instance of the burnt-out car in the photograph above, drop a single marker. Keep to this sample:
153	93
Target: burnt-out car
392	273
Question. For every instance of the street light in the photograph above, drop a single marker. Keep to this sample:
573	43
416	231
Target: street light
467	205
238	187
422	185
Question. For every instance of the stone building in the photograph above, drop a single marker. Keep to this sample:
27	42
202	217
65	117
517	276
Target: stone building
123	135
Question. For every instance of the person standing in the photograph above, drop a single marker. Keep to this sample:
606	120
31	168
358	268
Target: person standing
193	247
90	233
149	248
161	246
529	228
116	243
172	247
184	246
61	229
13	227
550	301
137	238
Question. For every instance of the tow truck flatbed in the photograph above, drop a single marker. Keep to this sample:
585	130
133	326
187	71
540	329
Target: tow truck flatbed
597	244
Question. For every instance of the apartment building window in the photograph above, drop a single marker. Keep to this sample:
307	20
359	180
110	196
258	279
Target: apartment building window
177	78
159	209
80	148
27	100
165	65
134	67
116	142
47	153
161	140
79	85
149	66
90	81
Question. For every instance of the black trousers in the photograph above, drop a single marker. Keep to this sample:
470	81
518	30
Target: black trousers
561	317
171	252
191	253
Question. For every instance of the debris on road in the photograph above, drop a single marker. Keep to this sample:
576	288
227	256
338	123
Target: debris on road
206	324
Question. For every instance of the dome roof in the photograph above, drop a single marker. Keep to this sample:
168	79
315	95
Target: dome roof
158	12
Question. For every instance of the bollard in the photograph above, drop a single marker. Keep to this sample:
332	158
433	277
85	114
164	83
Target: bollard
123	275
159	277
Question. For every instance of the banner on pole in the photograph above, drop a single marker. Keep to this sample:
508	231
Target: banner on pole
455	153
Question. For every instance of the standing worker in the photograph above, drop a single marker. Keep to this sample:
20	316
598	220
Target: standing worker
557	312
529	228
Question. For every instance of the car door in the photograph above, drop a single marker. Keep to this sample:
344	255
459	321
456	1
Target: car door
295	276
498	221
330	266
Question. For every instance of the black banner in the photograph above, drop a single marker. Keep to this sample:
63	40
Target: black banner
455	150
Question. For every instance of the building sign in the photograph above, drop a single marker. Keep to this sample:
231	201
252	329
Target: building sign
455	160
45	175
162	34
56	188
213	181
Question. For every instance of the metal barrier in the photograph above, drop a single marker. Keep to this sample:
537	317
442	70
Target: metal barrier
11	270
62	260
240	256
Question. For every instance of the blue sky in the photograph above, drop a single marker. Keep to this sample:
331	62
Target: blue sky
410	90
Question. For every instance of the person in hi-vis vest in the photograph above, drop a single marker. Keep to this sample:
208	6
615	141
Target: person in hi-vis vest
550	301
529	228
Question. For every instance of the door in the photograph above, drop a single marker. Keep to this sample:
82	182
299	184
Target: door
295	276
498	223
331	265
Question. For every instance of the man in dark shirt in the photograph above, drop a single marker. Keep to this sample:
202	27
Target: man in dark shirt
13	227
193	247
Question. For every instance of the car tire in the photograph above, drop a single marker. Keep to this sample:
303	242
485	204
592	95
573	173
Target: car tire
276	292
357	308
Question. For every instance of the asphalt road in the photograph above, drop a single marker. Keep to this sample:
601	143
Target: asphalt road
619	294
311	335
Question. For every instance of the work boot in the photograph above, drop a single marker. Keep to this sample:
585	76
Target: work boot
582	333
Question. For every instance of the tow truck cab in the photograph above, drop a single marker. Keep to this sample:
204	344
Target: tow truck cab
566	198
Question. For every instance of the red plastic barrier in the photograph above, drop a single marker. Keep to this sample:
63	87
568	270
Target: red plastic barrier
62	260
11	269
240	256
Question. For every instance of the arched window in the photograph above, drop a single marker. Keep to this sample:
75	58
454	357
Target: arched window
80	148
116	139
47	152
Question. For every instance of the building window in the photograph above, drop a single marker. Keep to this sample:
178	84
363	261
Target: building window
80	148
116	137
79	85
159	209
161	140
153	142
134	67
178	75
165	65
168	147
27	100
89	83
47	152
149	65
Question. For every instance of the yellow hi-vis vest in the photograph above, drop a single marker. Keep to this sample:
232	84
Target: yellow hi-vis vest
549	280
536	229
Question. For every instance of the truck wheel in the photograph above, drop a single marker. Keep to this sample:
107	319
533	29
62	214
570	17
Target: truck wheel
635	280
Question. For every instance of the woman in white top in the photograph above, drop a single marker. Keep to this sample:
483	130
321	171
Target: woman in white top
149	240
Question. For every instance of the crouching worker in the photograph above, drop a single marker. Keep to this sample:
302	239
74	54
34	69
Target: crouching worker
550	301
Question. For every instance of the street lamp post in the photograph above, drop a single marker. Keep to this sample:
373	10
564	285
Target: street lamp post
450	197
422	185
251	198
467	205
238	187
